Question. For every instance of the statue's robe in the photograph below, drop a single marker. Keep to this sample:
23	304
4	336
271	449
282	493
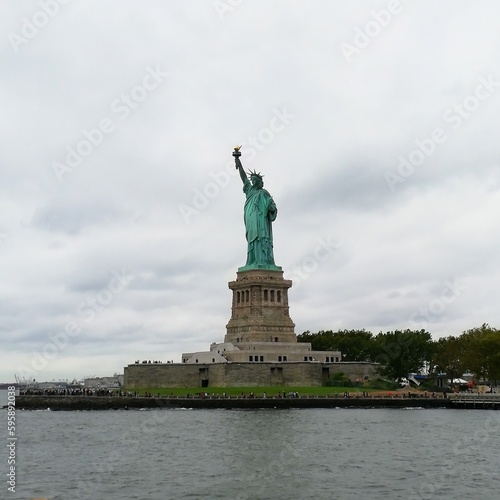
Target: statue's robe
259	212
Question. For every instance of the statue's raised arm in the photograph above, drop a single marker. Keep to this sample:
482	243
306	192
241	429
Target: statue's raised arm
239	166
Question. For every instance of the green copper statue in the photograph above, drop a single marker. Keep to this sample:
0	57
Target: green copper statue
259	212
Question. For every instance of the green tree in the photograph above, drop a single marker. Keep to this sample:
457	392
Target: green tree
355	345
482	351
490	344
402	352
450	357
320	341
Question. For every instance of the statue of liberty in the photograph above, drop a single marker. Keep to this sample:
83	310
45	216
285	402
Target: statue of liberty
259	212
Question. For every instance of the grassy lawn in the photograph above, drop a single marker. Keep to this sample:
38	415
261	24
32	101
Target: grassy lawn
258	391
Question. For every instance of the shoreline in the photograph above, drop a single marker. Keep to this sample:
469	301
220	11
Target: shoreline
95	403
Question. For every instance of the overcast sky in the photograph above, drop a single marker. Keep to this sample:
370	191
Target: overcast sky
375	124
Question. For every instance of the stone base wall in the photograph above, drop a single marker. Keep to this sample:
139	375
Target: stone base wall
298	374
355	370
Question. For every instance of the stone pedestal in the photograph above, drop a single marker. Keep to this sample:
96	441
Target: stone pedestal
260	311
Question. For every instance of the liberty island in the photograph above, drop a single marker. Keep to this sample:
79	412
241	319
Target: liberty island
260	348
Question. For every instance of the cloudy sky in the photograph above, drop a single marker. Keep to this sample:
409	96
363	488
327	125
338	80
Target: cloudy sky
375	124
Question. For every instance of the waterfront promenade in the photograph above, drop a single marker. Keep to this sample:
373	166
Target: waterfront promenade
200	401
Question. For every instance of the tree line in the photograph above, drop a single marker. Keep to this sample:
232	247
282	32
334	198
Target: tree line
400	352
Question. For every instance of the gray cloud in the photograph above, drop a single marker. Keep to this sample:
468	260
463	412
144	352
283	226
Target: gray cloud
168	149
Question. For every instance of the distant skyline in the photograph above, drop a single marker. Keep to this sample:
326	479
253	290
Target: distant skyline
121	213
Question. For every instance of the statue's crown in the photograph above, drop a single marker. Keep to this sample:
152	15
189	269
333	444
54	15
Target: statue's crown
254	174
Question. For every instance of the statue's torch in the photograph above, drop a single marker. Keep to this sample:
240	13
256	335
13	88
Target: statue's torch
237	152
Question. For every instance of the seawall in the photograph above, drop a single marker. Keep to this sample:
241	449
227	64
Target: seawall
88	403
58	403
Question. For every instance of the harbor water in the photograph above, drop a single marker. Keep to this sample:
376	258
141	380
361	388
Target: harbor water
256	454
